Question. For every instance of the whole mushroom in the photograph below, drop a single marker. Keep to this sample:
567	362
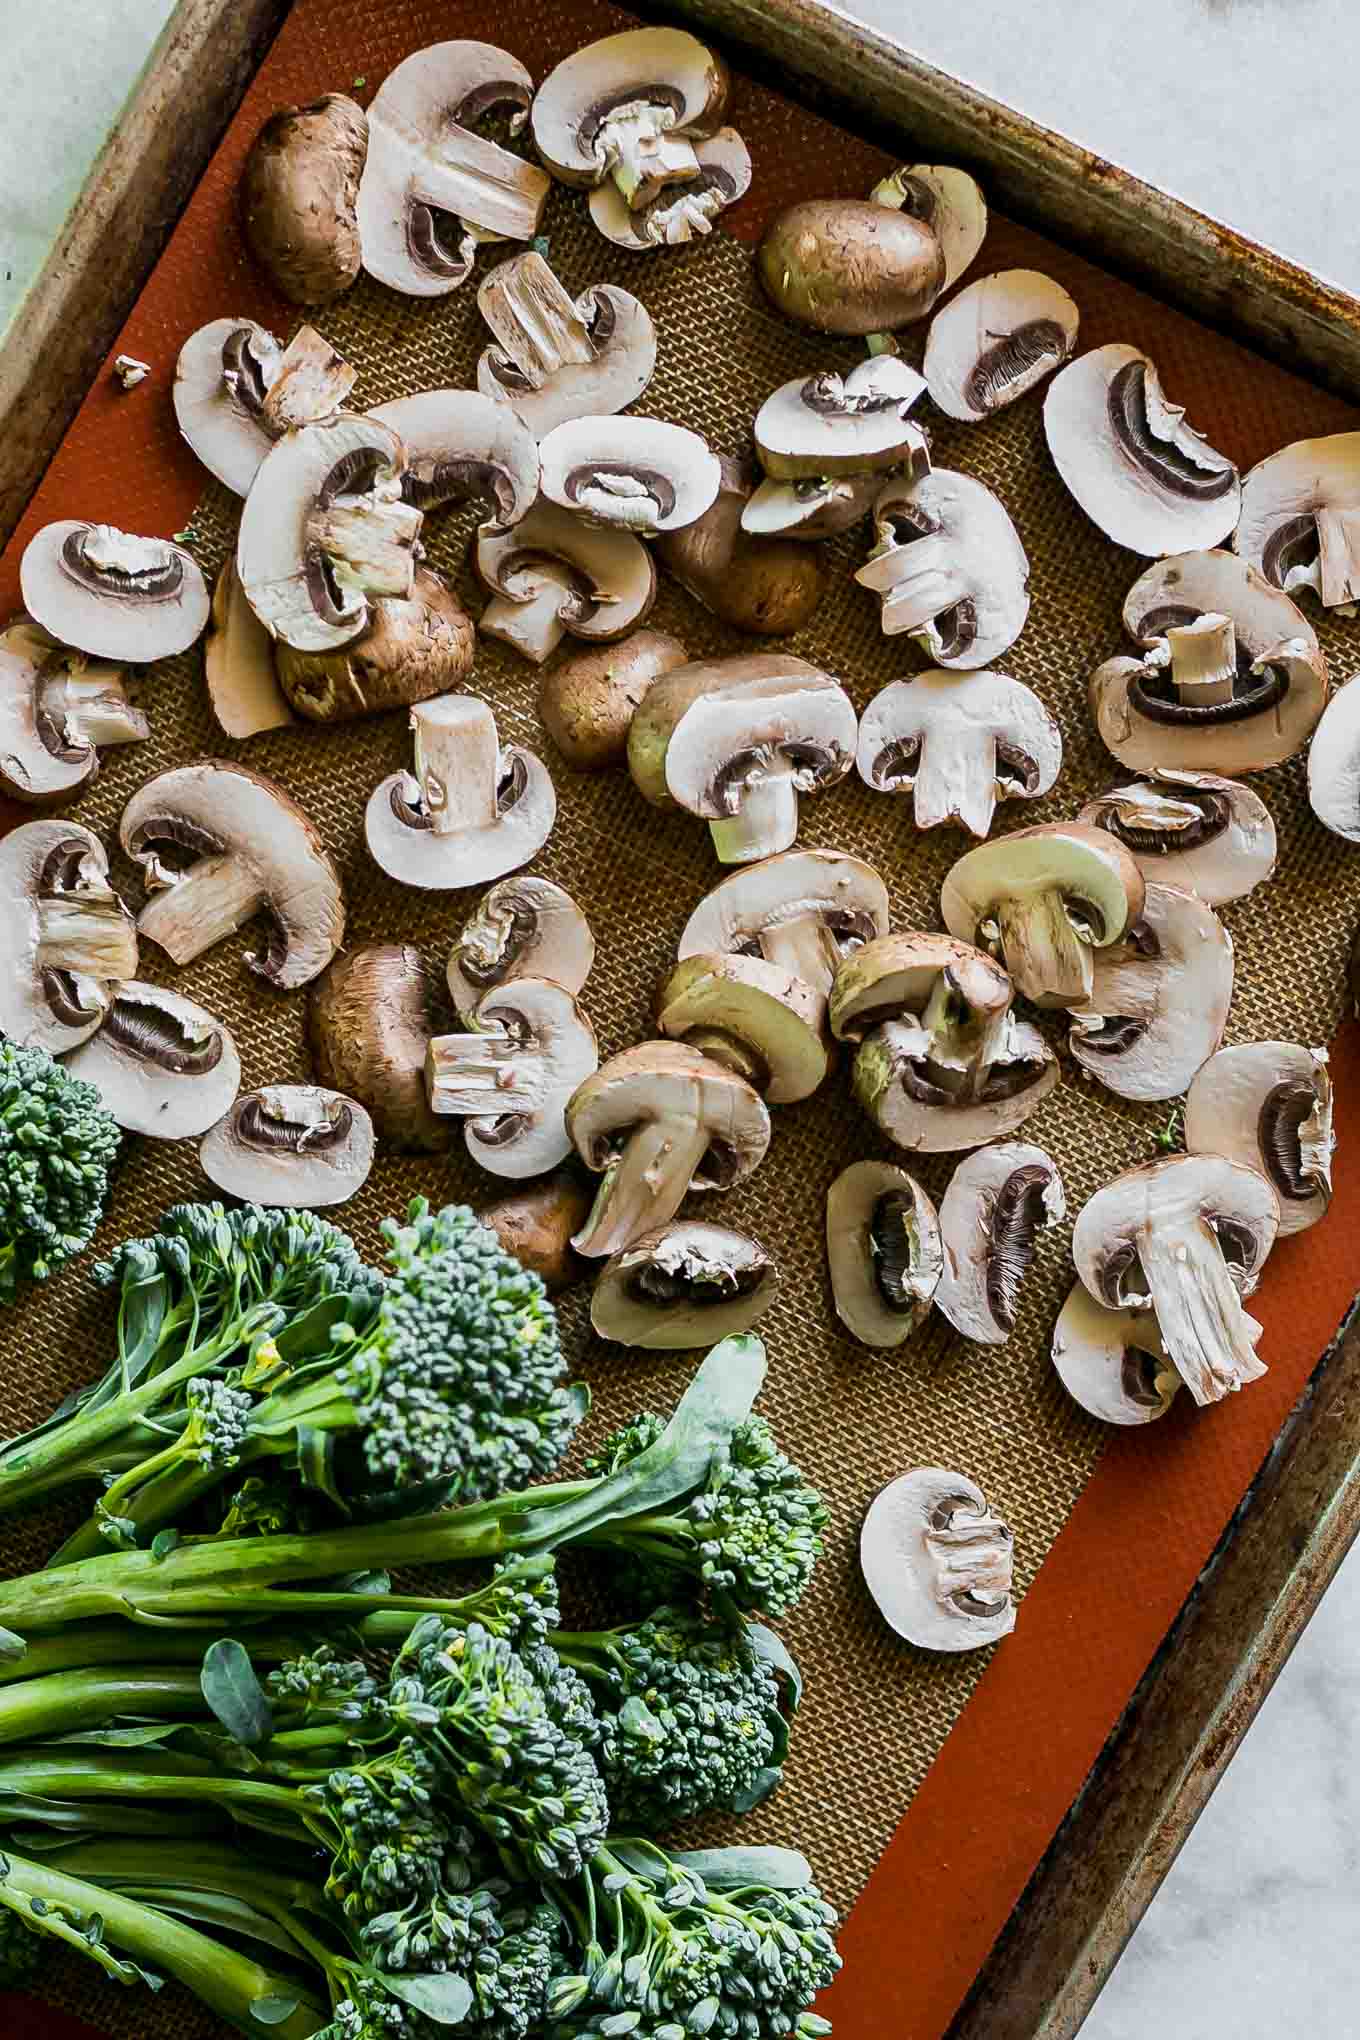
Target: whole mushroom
299	192
535	1223
847	265
588	701
767	587
369	1022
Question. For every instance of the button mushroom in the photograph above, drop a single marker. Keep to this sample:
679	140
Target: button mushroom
219	846
56	708
237	391
238	663
459	444
997	1203
1113	1362
883	1251
823	425
296	1145
948	567
112	594
685	1284
847	265
1159	998
958	745
945	199
806	910
1183	1237
555	575
1045	899
640	474
654	1123
557	357
678	211
299	192
768	587
752	1017
1268	1105
587	703
1334	765
818	506
368	1025
938	1562
1207	835
162	1065
469	810
530	1047
66	938
1300	521
996	340
524	927
535	1224
410	649
631	108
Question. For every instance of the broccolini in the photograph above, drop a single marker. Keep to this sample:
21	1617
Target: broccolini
58	1142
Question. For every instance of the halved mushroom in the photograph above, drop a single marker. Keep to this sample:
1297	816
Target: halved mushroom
685	1284
1210	836
938	1562
555	574
858	424
847	265
654	1123
1159	998
410	650
468	811
162	1065
56	708
884	1252
238	663
299	190
1268	1105
368	1026
219	846
805	910
557	357
1149	480
433	189
112	594
66	938
460	444
958	745
638	473
678	211
528	1049
1300	521
948	567
996	340
737	741
296	1145
630	108
536	1223
237	391
587	703
1113	1362
945	199
816	507
765	586
1044	900
997	1203
752	1017
523	927
1334	765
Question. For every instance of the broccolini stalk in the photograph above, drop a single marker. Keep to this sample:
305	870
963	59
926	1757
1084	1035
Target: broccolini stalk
58	1141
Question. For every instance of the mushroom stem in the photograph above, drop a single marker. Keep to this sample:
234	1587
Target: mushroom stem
957	778
641	153
805	948
1204	661
89	933
475	1076
644	1188
765	822
973	1555
966	1041
87	705
371	543
1338	564
1203	1325
1046	957
214	899
918	580
535	322
535	628
457	762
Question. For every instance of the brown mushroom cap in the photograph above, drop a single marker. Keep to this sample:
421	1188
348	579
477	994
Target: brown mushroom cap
768	587
846	265
588	701
535	1223
369	1020
413	647
299	190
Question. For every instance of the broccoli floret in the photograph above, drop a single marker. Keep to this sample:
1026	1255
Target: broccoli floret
57	1144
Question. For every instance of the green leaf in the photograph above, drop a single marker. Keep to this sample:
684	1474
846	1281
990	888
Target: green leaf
12	1647
316	1464
308	1337
234	1694
375	1583
445	1999
141	1318
122	1738
213	1909
774	1652
759	1790
272	2011
163	1543
770	1868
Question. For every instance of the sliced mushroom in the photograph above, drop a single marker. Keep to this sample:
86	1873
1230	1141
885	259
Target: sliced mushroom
433	189
162	1065
958	745
938	1562
530	1047
996	340
112	594
460	445
998	1202
767	587
237	391
630	108
806	910
1334	765
536	1223
299	192
238	663
946	200
640	474
555	575
468	811
1207	835
411	649
1113	1362
1268	1105
814	508
1300	522
752	1017
948	567
846	265
66	938
296	1145
858	424
1045	899
524	927
654	1123
685	1284
56	708
678	211
1159	998
587	703
884	1252
557	357
219	846
368	1025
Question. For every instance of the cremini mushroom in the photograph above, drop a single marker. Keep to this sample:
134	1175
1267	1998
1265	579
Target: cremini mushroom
883	1252
587	702
411	648
847	265
767	587
1334	764
535	1224
945	199
109	593
828	424
299	192
528	1048
238	663
57	707
685	1284
678	211
66	938
523	927
805	910
469	810
1268	1104
369	1021
958	743
1159	998
237	391
1045	900
556	357
297	1145
998	1202
555	575
996	340
219	846
638	474
631	108
751	1016
948	568
1207	835
1113	1362
162	1065
459	444
1300	521
938	1561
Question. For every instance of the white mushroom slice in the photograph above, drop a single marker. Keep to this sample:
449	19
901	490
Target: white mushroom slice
938	1562
1045	900
524	927
1137	469
1207	835
686	1284
1113	1362
630	108
555	575
948	567
806	910
530	1047
236	391
238	663
295	1145
678	212
639	474
996	340
162	1065
883	1251
56	708
433	189
109	593
752	1017
946	200
1334	765
826	424
810	509
219	846
1159	998
459	444
1300	521
1191	585
470	811
557	358
958	745
997	1203
66	938
1268	1105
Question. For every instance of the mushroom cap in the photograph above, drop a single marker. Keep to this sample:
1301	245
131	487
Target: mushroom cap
845	897
238	663
41	759
1113	1362
1210	582
1086	866
997	1202
846	265
678	211
1137	469
403	844
996	340
927	1543
828	425
896	974
295	1145
767	1023
662	66
42	1007
535	1224
523	927
162	1064
587	701
1334	765
1159	999
620	369
892	1083
412	648
368	1023
684	1284
666	1080
298	195
460	444
218	410
698	720
949	202
1268	1105
604	579
816	507
949	567
1236	1201
113	594
529	1135
638	473
1194	830
1277	531
767	587
958	744
883	1251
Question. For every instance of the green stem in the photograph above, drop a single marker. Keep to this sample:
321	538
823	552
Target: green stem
73	1774
165	1499
69	1701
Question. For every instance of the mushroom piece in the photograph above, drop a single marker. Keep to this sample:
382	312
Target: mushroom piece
768	587
996	340
411	649
737	741
826	424
66	938
938	1562
638	473
433	189
678	211
299	193
162	1065
816	507
238	663
219	845
296	1145
1113	1362
1207	835
1159	998
237	391
555	575
1044	900
1149	480
805	910
1300	521
753	1018
958	745
459	444
884	1252
536	1223
685	1284
998	1202
655	1122
948	567
587	703
530	1047
557	357
1334	765
945	199
524	927
368	1026
1268	1105
847	265
112	594
631	108
468	811
56	708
